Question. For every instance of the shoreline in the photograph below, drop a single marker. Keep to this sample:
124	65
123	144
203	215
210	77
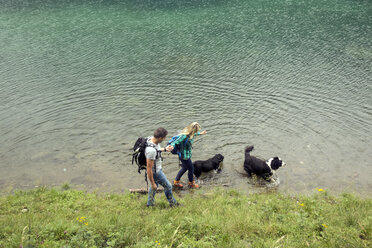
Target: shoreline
110	179
11	189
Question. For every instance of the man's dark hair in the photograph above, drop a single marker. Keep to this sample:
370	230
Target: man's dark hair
160	133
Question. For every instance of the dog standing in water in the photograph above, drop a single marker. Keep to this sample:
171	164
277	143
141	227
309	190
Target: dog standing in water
208	165
259	167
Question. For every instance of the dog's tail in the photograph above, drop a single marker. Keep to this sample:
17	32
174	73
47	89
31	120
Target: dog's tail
249	148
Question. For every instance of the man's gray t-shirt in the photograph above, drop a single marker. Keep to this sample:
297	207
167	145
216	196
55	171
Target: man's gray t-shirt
151	152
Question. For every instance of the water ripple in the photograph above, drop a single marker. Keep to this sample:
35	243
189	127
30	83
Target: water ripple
81	81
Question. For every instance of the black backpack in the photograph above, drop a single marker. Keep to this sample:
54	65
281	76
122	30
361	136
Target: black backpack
139	153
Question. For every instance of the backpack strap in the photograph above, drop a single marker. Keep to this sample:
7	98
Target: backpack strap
157	155
135	156
147	182
158	152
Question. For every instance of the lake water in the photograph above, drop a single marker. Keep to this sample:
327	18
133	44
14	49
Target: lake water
82	80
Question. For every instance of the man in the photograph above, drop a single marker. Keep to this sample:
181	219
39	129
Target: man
154	170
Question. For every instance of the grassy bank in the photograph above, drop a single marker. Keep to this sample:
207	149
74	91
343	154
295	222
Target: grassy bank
219	218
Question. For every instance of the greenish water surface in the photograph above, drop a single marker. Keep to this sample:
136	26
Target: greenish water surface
81	80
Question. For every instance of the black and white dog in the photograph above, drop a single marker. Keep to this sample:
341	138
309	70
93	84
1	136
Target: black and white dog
259	167
207	165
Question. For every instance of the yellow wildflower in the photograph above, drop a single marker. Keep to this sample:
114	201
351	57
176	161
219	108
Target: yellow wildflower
301	204
325	226
86	223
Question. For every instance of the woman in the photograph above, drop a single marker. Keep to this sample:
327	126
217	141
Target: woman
185	142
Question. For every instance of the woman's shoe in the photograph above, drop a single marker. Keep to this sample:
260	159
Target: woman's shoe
193	185
177	184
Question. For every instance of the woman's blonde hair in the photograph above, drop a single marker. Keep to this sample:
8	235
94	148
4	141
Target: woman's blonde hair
191	129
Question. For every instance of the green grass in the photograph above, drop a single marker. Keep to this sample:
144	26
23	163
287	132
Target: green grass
218	218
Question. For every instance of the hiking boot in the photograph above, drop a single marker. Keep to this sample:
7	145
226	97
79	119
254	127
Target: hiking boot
193	185
177	184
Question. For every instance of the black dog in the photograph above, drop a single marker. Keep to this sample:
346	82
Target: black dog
260	167
207	165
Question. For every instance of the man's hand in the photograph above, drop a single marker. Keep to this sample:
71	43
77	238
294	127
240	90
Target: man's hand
204	132
153	186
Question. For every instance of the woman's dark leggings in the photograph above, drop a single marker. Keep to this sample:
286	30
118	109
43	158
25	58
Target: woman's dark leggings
186	165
